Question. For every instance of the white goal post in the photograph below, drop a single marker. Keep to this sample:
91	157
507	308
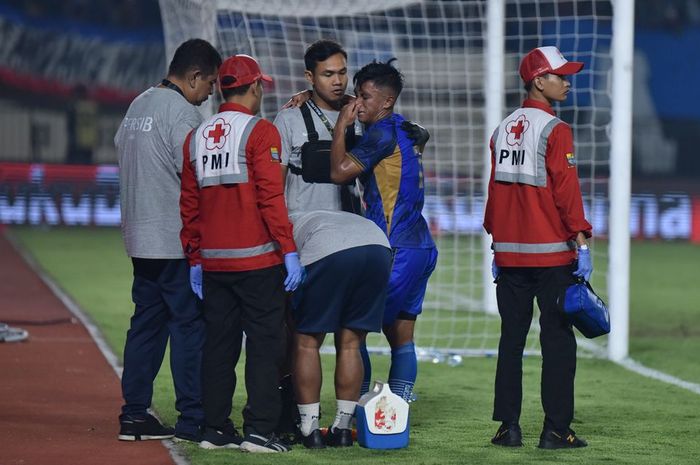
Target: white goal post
460	62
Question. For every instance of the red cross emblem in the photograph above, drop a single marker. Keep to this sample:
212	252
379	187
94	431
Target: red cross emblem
515	130
215	134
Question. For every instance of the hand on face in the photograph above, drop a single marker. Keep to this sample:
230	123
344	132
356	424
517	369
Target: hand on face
348	114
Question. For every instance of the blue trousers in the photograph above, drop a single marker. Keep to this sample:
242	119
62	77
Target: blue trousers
166	308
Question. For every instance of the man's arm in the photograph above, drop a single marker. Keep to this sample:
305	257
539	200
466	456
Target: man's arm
561	166
343	168
286	145
189	206
269	190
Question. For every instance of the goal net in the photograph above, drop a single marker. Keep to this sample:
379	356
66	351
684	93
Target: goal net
440	46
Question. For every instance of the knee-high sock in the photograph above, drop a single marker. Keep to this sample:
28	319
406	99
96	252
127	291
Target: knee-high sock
404	368
367	364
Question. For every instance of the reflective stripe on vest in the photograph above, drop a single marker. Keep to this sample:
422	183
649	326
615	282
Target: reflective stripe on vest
246	252
515	247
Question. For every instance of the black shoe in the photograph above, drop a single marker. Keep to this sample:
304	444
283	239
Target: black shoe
508	435
339	437
142	428
314	440
224	438
254	442
551	439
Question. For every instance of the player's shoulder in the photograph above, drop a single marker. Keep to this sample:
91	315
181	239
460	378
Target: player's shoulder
382	132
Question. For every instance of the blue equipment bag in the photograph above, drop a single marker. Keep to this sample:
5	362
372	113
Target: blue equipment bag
585	310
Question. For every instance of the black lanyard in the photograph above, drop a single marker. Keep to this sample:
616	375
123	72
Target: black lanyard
172	86
321	115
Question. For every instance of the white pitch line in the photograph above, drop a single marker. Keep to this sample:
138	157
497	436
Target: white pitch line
92	329
647	372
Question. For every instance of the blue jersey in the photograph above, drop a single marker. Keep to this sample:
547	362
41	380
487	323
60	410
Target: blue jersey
392	175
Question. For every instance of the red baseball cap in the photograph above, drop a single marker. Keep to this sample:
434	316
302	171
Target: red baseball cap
240	70
543	60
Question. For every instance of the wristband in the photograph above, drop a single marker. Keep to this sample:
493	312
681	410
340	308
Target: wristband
583	247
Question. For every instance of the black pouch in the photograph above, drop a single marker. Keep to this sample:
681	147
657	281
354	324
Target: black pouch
316	161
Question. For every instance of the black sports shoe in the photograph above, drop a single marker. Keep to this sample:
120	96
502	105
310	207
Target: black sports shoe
339	437
254	442
224	438
508	435
551	439
314	440
143	428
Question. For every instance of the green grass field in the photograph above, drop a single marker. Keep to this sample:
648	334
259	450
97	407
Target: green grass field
625	417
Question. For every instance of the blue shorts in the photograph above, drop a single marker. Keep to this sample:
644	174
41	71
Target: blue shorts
346	289
409	278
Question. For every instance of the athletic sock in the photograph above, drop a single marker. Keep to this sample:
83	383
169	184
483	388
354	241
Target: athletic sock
404	368
344	414
367	364
309	417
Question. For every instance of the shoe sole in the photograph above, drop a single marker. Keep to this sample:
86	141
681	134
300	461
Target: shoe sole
211	445
192	440
500	444
559	446
255	448
13	335
143	437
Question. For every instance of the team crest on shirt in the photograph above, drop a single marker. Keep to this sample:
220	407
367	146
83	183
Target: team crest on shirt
516	129
274	153
570	159
215	134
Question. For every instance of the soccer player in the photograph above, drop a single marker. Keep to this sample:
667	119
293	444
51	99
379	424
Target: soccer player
535	216
236	230
389	166
149	144
348	261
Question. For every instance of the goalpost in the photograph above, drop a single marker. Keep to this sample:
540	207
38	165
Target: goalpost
460	61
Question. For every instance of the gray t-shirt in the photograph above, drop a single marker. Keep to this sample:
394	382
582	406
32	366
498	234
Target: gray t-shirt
149	145
300	195
321	233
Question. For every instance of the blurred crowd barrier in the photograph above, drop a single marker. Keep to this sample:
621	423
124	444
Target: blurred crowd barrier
88	195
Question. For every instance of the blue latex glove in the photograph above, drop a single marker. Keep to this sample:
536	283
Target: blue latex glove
494	269
196	280
295	272
585	266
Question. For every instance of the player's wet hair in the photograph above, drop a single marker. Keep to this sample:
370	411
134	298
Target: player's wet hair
382	75
321	50
195	54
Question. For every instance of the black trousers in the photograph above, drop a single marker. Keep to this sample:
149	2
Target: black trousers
236	302
516	290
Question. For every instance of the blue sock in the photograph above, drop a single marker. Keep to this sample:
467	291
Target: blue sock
367	364
404	369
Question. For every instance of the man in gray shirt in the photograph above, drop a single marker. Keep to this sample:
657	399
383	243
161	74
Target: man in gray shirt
348	262
149	144
327	72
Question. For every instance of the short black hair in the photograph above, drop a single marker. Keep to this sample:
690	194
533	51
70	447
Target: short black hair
240	90
381	74
195	53
321	50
